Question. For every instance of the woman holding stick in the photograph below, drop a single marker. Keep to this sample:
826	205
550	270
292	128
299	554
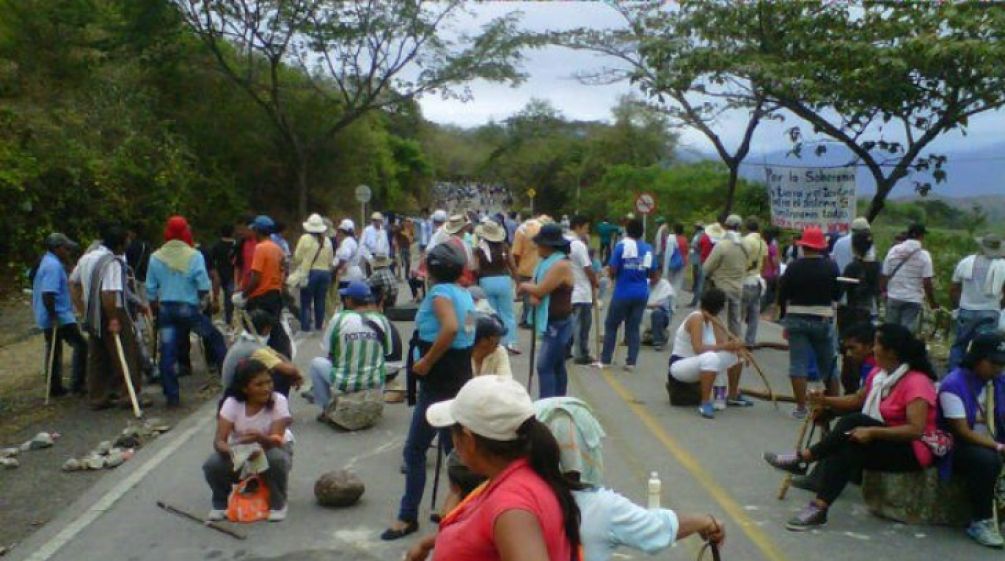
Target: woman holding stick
882	427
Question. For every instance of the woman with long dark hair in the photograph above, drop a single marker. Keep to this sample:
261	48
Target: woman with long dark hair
881	430
525	510
251	413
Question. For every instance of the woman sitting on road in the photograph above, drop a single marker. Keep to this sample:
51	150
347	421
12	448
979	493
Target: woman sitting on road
526	510
702	351
251	413
882	429
488	356
966	396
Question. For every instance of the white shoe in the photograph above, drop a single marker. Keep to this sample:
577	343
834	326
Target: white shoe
277	515
216	514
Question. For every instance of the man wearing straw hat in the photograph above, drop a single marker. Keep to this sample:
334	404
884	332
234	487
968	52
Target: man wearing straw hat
374	239
50	301
382	282
311	272
977	294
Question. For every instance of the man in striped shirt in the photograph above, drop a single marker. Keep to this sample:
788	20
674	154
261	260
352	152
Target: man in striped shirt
356	341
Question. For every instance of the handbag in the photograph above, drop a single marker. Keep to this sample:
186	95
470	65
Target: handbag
938	441
249	501
299	277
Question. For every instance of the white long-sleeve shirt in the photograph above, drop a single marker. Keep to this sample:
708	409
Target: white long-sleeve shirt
375	242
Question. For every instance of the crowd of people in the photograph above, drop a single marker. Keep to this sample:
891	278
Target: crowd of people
466	271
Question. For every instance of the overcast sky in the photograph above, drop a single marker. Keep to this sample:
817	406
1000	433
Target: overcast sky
551	76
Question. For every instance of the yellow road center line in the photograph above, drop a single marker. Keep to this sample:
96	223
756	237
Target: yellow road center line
691	464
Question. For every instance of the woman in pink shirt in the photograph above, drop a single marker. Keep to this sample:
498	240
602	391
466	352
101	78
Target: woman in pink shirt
883	426
525	511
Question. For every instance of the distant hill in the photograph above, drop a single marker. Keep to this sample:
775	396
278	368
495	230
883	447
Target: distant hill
993	205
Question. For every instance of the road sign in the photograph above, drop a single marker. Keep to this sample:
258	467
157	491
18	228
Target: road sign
531	193
645	203
363	194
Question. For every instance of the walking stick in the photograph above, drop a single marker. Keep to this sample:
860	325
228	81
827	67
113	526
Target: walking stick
153	335
750	358
129	380
533	348
787	480
596	328
436	473
51	364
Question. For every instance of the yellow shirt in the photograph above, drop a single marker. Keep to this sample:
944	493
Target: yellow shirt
525	249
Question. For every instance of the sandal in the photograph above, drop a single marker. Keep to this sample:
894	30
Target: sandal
394	533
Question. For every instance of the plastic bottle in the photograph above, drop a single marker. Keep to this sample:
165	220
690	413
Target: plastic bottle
719	392
655	486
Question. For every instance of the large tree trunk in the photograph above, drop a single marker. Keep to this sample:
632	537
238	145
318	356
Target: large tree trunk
883	188
734	172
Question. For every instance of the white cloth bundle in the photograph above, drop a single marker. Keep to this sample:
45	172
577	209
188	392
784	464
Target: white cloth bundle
882	384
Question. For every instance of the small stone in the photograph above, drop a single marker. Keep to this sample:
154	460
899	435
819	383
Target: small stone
9	463
9	452
114	459
156	425
338	488
41	440
94	462
103	447
73	464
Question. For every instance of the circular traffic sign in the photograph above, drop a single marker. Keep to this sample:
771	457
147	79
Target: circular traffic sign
363	194
645	203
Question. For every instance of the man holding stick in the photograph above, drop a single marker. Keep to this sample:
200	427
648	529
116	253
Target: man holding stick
50	300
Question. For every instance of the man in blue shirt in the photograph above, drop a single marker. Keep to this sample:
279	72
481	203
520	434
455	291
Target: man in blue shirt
630	267
50	300
177	282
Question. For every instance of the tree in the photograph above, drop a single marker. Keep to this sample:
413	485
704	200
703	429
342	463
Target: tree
667	59
884	79
355	56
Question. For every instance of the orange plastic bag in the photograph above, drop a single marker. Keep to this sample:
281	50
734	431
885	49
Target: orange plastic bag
249	501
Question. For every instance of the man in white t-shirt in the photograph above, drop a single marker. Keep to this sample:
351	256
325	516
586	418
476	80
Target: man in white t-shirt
584	285
347	256
977	294
659	309
374	240
907	279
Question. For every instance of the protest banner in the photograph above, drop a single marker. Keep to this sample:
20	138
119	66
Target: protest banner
802	197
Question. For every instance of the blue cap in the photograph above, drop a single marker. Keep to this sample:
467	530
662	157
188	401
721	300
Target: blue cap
357	290
262	223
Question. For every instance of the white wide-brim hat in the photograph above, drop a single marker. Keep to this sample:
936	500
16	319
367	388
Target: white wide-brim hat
315	224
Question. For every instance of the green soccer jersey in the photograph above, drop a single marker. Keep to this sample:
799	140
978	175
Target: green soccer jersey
357	350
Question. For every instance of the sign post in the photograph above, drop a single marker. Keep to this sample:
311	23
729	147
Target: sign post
801	197
531	193
363	195
645	204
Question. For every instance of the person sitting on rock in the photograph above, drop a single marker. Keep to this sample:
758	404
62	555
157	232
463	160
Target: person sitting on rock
356	342
252	343
251	413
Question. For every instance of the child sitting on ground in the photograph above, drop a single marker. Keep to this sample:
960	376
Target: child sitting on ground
488	356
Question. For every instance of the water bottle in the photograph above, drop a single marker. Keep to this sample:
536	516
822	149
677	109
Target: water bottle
719	392
654	490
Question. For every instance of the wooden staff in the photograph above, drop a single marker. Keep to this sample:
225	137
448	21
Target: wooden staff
533	348
137	412
787	480
750	358
51	363
211	525
596	328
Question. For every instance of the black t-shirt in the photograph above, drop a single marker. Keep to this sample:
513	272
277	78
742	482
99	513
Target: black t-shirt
221	258
810	281
863	294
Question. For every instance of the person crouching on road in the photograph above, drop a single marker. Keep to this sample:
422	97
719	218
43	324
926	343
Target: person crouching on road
551	295
702	350
252	343
488	356
251	413
881	430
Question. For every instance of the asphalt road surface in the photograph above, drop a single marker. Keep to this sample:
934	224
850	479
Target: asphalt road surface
706	466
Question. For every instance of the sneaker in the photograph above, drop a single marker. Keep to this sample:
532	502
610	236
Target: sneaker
628	368
799	414
985	533
584	360
216	515
739	401
277	515
813	516
706	410
660	348
790	462
602	365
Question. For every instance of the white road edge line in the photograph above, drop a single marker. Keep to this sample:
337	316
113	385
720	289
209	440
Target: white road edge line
71	530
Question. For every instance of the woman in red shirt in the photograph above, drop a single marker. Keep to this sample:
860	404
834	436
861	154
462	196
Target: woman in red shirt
883	427
525	511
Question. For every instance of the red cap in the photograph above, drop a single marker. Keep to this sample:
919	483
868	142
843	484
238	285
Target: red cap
177	229
813	238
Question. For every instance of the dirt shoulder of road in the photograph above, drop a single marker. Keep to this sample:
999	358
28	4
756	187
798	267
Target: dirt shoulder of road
38	490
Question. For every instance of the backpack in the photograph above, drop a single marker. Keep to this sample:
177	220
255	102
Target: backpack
676	260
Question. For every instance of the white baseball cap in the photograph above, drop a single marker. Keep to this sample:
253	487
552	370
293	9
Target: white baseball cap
490	406
440	215
347	225
860	224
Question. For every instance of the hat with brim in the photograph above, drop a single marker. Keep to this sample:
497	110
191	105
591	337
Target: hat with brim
347	225
715	232
734	221
380	260
455	224
493	407
987	346
56	240
376	216
315	224
860	224
490	231
550	235
357	290
991	245
262	224
813	238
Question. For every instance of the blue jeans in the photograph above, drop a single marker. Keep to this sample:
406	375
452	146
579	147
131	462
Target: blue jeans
314	295
659	322
903	313
582	322
499	292
175	319
809	336
970	323
553	378
420	436
628	312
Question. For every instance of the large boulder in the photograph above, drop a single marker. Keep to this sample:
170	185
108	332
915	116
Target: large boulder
338	488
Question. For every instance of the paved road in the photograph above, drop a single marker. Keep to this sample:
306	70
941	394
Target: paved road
706	466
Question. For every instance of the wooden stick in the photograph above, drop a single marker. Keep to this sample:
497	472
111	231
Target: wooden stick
766	396
533	348
211	525
787	480
596	328
746	354
129	380
51	363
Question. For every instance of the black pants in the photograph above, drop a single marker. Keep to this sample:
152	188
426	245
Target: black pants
272	302
70	334
979	467
846	458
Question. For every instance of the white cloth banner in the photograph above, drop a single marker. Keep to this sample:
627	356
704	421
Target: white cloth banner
802	197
